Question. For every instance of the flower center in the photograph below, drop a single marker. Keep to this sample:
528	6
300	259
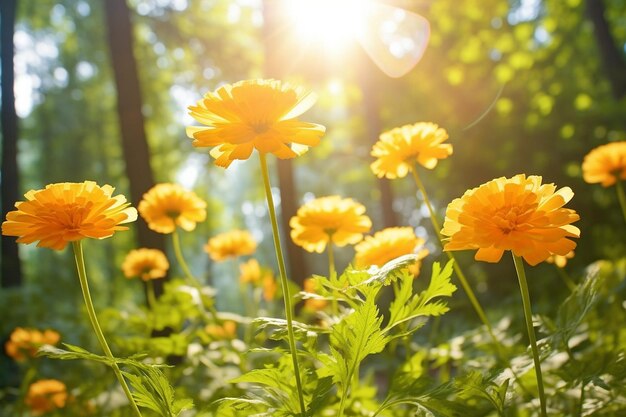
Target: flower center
172	214
73	216
260	127
506	218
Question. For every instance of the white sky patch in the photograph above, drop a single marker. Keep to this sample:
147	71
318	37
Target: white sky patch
190	171
528	10
183	98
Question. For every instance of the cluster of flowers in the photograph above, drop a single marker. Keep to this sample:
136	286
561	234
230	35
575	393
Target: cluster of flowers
517	214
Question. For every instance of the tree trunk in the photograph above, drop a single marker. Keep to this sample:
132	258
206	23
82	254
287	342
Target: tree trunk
612	58
134	142
276	49
11	269
373	130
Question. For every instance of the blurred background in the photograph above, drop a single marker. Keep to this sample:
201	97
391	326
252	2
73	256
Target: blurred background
99	90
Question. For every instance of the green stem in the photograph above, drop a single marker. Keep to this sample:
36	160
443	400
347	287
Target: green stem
457	269
582	399
150	294
566	278
191	280
84	285
621	197
29	376
331	273
283	280
523	285
181	259
464	283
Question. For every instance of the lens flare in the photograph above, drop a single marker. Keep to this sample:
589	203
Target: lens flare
394	38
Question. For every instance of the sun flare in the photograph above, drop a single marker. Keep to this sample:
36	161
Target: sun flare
331	23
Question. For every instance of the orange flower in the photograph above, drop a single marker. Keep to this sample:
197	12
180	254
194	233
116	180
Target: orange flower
559	260
270	288
67	212
46	395
518	214
341	221
399	149
230	245
24	343
313	303
227	330
605	164
166	206
389	244
145	264
254	114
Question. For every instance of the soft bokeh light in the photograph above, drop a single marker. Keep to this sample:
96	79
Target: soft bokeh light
332	23
394	38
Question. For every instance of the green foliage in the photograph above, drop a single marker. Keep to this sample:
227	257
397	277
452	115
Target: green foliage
152	390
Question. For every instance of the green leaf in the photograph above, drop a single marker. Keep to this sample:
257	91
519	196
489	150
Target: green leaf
475	385
408	306
152	390
352	339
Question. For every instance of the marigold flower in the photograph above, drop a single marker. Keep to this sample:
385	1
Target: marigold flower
166	206
313	303
605	164
230	245
254	114
341	221
250	272
270	287
46	395
388	244
225	331
400	148
23	343
560	261
518	214
67	212
145	264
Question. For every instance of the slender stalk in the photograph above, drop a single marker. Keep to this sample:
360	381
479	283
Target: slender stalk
464	283
150	294
457	269
181	260
189	275
566	278
523	285
28	377
582	399
621	197
283	280
84	285
332	272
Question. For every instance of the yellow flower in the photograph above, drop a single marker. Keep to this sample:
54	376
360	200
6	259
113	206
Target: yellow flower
145	264
313	303
167	205
341	221
230	245
46	395
270	287
67	212
254	114
559	260
399	149
605	164
24	343
389	244
250	272
518	214
225	331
